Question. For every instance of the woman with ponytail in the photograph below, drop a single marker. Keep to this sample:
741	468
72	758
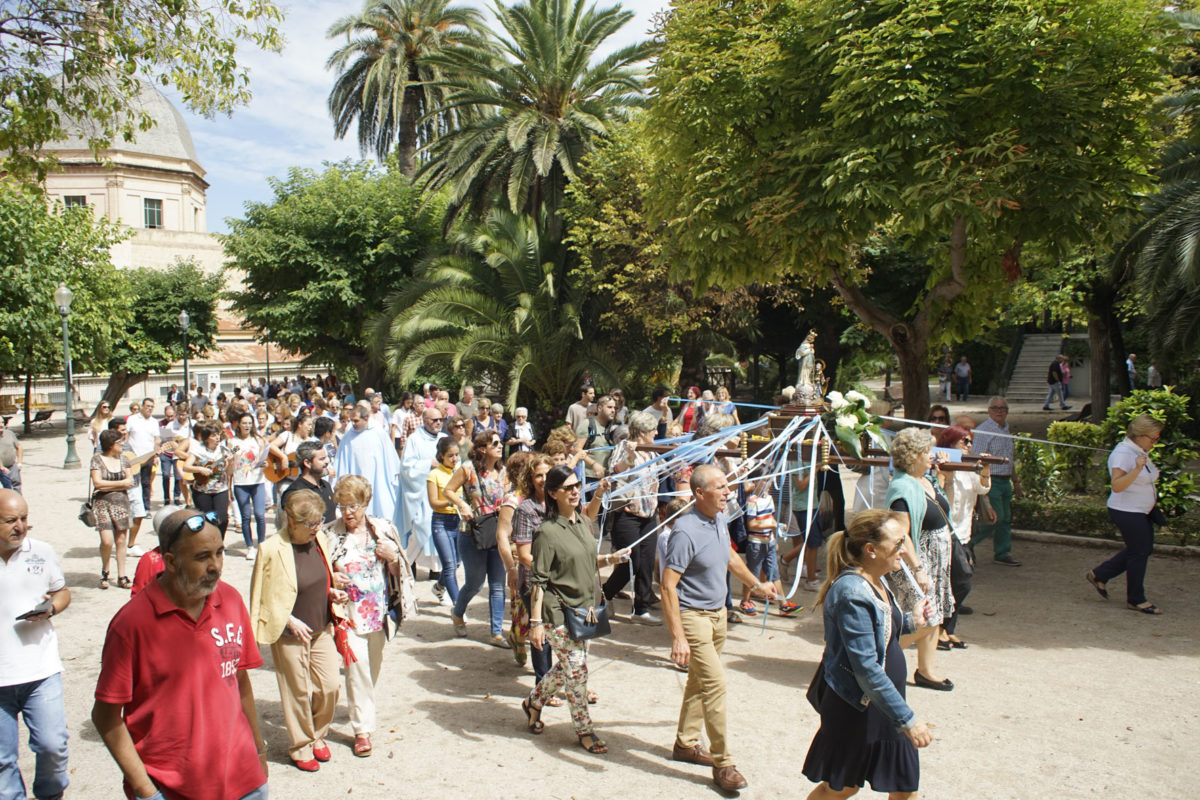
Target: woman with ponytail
868	732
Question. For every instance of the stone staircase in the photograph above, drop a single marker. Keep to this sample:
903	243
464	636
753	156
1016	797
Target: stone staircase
1028	382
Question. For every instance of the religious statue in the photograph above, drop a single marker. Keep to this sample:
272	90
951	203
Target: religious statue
808	382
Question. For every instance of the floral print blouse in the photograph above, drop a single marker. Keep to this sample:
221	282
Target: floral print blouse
354	555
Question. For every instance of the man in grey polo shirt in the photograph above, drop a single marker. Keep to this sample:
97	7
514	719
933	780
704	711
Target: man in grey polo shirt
693	595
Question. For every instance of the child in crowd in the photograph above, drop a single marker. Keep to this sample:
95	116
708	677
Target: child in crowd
761	555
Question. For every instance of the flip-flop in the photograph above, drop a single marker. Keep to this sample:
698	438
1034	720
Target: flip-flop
1150	609
1097	585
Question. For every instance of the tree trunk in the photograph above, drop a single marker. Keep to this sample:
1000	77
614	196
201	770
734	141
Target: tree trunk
692	372
406	144
28	403
914	372
1098	338
119	383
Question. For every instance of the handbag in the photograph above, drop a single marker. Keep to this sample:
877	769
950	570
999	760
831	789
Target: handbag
87	514
817	686
586	622
483	530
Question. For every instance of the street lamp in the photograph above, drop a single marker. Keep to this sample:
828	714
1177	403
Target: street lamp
62	299
184	323
267	345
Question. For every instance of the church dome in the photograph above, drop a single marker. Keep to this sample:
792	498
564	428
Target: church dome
169	138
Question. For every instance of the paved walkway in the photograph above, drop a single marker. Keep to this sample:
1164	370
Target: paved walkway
1060	694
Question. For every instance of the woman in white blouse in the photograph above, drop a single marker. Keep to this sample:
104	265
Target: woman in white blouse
963	488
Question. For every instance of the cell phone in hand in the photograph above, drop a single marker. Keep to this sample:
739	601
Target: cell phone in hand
40	608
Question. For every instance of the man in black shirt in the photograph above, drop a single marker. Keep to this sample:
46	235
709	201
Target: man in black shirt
313	463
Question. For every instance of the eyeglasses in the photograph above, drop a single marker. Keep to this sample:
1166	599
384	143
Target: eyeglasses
351	509
437	419
570	488
998	408
969	439
496	442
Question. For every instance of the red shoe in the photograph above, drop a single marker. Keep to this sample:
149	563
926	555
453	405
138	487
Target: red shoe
748	608
307	766
322	753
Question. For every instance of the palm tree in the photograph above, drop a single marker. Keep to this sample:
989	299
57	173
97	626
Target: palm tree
491	304
538	99
387	81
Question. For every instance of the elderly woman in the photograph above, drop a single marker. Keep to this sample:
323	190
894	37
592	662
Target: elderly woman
1131	505
292	592
520	434
926	550
367	551
487	485
868	732
634	510
963	489
565	573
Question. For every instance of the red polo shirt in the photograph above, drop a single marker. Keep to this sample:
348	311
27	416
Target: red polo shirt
177	679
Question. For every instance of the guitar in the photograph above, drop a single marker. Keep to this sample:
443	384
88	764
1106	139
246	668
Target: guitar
217	465
277	469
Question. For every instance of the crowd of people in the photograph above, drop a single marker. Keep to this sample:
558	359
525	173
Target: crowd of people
369	498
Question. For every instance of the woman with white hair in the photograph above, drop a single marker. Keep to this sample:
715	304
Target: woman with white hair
926	549
520	435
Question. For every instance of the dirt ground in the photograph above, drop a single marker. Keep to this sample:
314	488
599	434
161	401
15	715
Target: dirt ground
1060	694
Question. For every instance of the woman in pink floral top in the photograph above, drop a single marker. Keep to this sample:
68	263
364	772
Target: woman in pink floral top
365	549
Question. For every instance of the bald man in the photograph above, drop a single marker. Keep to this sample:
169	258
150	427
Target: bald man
32	590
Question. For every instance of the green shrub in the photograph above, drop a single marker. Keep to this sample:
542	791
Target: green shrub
1038	469
1173	451
1077	463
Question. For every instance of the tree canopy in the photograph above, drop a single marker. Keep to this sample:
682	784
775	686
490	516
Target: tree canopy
793	134
320	258
69	61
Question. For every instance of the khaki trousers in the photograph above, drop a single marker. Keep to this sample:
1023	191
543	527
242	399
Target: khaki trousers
308	689
704	695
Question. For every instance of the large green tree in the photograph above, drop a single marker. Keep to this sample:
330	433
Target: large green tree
493	311
68	60
388	84
151	340
794	134
532	101
40	247
320	258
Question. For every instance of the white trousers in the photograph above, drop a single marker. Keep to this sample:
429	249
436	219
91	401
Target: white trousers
361	677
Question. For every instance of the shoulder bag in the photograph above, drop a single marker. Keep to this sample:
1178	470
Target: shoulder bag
483	526
586	622
87	514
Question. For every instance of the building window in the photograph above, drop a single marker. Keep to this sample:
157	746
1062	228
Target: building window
75	201
153	213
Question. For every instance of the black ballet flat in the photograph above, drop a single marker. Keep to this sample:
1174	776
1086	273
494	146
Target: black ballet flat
943	685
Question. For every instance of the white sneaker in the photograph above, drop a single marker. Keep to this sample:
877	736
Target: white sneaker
645	618
442	598
136	551
252	554
812	586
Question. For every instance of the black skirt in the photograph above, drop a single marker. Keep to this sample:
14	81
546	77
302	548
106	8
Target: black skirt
855	747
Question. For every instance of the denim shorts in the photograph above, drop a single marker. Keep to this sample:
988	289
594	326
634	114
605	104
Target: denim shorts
761	557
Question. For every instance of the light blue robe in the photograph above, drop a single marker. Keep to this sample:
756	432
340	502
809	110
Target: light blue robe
420	449
371	454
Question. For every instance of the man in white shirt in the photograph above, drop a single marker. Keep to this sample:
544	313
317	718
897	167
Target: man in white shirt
145	434
30	669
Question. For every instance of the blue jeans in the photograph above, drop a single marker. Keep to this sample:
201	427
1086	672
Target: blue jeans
445	541
166	465
258	794
477	564
40	703
253	494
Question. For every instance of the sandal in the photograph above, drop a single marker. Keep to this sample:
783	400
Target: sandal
1149	608
957	644
597	746
554	702
362	745
533	717
944	644
592	698
1098	585
103	580
123	582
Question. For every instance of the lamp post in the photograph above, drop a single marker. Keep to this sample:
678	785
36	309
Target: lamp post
184	323
267	345
62	299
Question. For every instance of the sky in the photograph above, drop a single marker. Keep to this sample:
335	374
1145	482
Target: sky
287	124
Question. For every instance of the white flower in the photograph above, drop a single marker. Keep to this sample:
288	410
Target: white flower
836	401
856	397
847	420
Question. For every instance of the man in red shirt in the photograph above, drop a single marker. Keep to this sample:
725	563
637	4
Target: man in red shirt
174	703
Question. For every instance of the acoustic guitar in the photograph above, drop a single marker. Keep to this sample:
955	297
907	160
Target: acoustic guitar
217	465
277	469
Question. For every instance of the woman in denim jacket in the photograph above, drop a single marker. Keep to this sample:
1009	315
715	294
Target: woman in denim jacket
868	733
